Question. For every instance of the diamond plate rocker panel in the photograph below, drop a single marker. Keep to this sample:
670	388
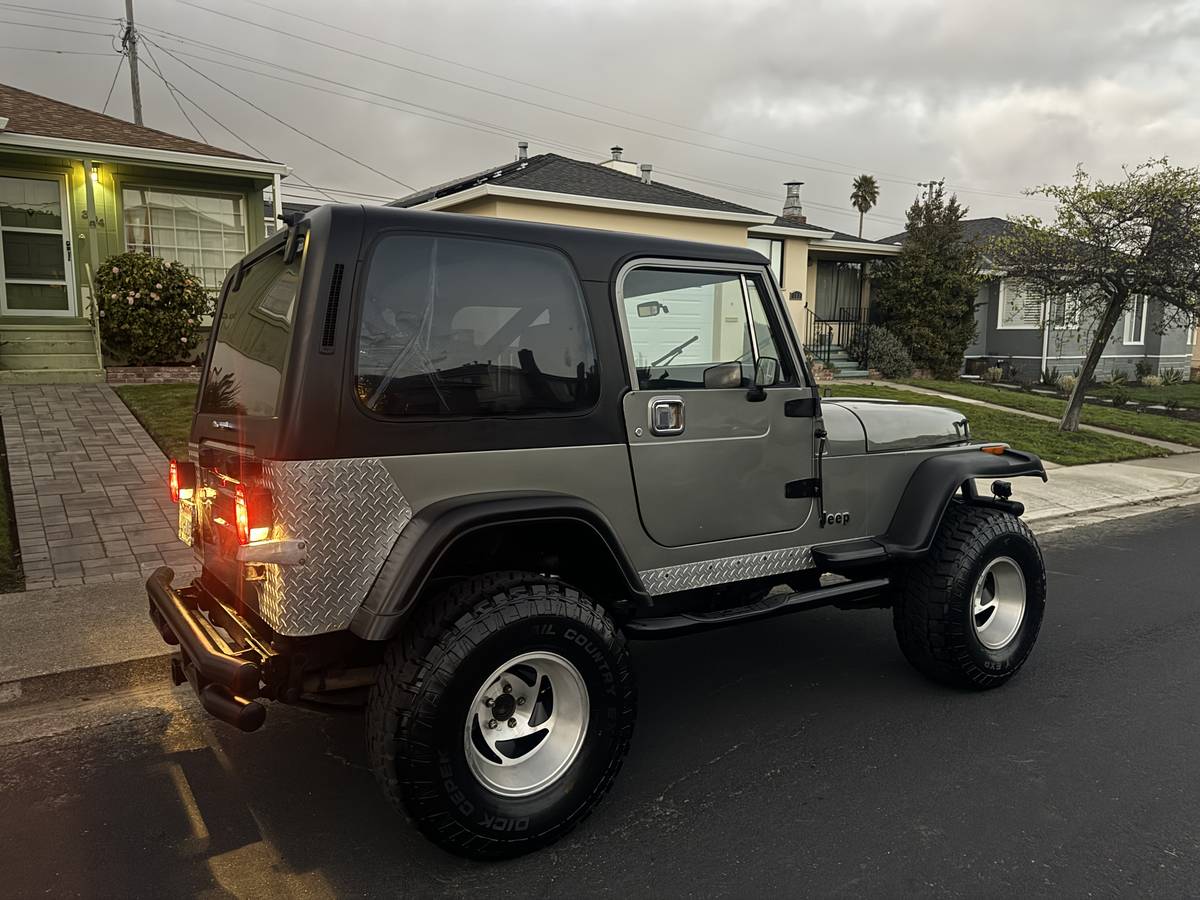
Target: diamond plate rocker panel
349	512
688	576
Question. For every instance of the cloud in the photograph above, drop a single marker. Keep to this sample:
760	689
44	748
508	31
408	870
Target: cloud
994	97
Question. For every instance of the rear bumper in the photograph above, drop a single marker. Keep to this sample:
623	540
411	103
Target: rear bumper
226	663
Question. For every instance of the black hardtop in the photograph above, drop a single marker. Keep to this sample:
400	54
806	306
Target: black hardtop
319	388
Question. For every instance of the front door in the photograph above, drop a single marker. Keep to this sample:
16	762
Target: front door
36	276
712	454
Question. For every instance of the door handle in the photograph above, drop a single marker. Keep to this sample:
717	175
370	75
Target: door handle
666	415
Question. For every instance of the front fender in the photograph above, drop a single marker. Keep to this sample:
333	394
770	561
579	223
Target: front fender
935	482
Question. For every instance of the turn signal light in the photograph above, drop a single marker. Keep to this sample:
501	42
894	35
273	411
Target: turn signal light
173	481
242	516
994	449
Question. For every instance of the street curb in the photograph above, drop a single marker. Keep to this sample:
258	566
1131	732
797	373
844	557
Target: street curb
1053	517
87	682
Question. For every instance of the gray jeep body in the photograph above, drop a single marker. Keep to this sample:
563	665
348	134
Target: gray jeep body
661	502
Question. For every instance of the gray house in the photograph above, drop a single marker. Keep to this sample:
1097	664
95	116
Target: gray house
1026	335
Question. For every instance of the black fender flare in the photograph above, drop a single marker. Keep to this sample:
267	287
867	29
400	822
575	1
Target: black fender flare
933	485
930	490
437	527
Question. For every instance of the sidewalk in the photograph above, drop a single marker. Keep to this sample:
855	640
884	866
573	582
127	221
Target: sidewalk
84	641
89	487
1154	442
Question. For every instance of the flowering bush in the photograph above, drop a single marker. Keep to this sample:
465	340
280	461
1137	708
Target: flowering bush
150	309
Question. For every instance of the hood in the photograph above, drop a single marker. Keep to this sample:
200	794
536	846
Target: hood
889	425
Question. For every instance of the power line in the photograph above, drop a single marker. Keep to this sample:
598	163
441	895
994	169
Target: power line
286	125
276	30
475	124
51	50
56	13
55	28
116	75
229	130
152	65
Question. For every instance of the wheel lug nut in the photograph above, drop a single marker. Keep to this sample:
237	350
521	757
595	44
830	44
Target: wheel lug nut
512	723
491	723
507	688
520	701
488	702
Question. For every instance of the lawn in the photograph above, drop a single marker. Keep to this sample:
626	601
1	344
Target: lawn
1187	395
1024	433
1164	428
165	410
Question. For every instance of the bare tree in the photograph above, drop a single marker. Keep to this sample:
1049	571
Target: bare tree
1109	246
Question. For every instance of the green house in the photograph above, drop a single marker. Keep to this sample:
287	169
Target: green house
76	187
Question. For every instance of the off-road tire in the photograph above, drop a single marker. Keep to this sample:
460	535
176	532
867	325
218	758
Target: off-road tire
932	612
428	679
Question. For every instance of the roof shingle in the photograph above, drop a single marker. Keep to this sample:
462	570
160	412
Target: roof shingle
39	116
562	175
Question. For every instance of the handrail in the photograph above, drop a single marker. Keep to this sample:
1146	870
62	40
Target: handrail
95	316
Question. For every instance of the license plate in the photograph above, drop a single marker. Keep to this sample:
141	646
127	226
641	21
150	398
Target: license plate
186	518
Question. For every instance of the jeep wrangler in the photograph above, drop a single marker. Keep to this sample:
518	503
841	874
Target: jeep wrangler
451	464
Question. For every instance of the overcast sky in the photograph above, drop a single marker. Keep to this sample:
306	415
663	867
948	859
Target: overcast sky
994	97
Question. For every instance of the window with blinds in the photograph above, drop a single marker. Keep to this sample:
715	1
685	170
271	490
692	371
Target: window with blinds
1018	307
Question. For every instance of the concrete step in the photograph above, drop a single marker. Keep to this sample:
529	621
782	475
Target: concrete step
46	332
843	374
82	359
53	376
13	346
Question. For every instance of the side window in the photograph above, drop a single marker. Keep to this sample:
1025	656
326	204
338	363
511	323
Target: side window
465	327
684	323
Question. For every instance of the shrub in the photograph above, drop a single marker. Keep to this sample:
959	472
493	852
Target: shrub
1050	377
1142	368
1171	377
1118	376
1066	383
1152	381
150	309
1120	396
993	374
881	349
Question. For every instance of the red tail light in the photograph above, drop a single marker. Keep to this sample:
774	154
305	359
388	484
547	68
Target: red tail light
241	514
252	514
173	481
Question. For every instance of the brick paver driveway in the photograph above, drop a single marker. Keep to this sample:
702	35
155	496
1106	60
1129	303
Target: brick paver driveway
89	487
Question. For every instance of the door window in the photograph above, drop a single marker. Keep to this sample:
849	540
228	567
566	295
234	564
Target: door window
685	323
34	277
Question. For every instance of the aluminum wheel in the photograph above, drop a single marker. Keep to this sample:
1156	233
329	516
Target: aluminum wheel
526	724
998	603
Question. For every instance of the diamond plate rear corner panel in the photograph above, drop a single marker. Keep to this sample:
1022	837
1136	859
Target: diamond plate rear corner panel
349	512
728	569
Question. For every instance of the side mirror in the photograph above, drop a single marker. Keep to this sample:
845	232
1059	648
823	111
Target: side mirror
723	375
766	372
650	309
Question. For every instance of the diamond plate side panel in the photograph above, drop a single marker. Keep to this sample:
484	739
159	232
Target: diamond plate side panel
688	576
349	512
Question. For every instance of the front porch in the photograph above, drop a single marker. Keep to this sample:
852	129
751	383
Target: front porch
838	310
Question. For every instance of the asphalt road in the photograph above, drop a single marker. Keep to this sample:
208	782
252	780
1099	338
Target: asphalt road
799	756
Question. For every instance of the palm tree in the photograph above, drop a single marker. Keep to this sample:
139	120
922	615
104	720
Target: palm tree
864	196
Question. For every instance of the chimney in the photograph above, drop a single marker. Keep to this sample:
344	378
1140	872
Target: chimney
645	167
791	202
522	150
620	165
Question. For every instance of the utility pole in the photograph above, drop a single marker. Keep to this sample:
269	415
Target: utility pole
129	42
928	185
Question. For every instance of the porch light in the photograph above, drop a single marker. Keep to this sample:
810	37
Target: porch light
96	173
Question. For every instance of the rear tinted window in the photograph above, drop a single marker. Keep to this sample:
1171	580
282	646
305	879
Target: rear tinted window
251	340
462	327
